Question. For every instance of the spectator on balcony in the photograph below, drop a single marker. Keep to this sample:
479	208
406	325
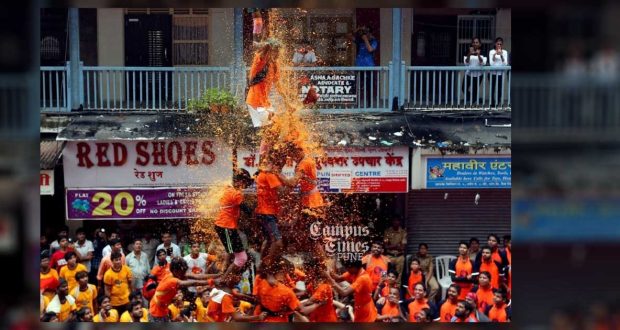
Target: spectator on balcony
304	55
366	45
498	57
474	60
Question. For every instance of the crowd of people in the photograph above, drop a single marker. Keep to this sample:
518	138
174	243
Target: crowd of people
99	280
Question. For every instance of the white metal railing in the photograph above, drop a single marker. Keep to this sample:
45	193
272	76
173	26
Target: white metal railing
459	87
566	105
55	90
369	89
149	88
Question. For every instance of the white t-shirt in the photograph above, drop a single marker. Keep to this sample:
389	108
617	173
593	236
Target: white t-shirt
474	62
176	252
196	266
83	251
107	250
307	58
496	60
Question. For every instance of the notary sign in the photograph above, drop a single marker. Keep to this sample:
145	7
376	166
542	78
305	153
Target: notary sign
352	170
470	172
333	88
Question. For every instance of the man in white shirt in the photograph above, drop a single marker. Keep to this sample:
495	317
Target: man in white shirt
197	261
62	233
474	60
149	246
138	262
498	57
108	249
172	250
84	248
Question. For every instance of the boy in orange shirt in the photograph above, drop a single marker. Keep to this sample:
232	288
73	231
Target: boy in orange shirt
391	311
499	311
320	305
461	270
227	222
221	306
168	287
118	282
311	200
447	307
376	263
269	191
264	73
361	288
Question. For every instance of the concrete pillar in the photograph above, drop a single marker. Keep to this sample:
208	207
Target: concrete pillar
74	57
396	54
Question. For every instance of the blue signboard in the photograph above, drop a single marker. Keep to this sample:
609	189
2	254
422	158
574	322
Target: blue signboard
470	172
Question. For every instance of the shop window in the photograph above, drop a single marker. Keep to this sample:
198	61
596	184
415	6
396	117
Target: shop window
190	42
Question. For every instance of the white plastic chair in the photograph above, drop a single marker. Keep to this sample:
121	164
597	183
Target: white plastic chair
442	265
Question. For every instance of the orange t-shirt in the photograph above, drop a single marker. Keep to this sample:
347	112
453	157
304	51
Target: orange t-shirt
464	268
390	309
258	95
277	299
498	314
164	294
375	266
325	312
310	195
48	283
447	310
69	275
267	193
221	312
229	208
412	281
364	308
492	268
485	298
415	307
161	272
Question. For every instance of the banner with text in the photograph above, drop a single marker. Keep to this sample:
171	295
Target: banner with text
161	163
131	204
333	88
470	172
352	170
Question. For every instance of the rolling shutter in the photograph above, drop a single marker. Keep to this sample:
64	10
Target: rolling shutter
442	223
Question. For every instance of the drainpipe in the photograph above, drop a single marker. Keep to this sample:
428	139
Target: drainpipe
74	58
396	57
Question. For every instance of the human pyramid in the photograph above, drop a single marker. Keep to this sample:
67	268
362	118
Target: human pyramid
185	289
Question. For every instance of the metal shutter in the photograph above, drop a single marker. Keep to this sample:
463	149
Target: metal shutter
442	223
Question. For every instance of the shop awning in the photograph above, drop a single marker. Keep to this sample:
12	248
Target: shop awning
50	151
346	130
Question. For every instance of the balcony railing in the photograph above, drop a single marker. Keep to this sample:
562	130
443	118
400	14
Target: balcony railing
362	89
457	88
